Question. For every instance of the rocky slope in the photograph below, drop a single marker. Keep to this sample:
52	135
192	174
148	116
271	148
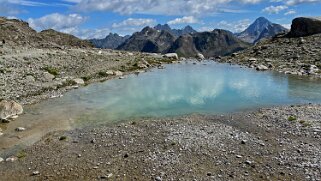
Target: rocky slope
281	143
176	32
260	29
297	55
148	40
210	44
111	41
17	32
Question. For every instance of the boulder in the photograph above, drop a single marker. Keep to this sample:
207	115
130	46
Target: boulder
79	81
252	59
9	109
200	56
171	55
261	68
110	72
118	73
48	77
303	26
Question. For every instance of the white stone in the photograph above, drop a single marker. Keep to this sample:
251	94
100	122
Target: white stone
171	55
12	159
9	109
110	72
200	56
118	73
261	68
79	81
20	129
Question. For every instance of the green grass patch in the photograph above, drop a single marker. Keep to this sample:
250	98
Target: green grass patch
52	70
21	154
292	118
305	123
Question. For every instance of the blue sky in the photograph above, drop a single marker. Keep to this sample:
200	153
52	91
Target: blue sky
97	18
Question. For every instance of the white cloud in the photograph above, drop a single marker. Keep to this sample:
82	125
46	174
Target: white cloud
57	21
295	2
67	24
177	7
131	25
88	33
274	9
134	22
236	26
24	2
290	12
183	20
287	26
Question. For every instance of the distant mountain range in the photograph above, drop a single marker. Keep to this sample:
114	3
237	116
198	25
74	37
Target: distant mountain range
149	40
111	41
261	28
211	44
175	32
188	42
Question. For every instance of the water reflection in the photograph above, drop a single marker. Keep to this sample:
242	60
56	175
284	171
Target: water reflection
178	89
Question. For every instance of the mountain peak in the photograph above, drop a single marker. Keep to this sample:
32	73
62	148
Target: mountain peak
262	19
261	25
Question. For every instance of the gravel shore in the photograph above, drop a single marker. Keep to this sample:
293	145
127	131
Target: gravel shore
29	75
281	143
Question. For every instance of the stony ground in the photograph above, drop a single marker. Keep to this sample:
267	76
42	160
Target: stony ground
298	56
28	75
268	144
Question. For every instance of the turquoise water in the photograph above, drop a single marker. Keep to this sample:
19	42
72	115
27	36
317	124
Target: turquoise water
185	88
206	87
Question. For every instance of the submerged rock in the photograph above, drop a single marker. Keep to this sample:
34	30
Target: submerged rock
9	109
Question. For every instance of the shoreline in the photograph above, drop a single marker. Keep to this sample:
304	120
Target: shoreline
269	143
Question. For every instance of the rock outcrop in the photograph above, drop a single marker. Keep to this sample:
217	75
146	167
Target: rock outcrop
9	109
304	27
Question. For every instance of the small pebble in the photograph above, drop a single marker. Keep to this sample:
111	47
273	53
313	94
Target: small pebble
35	173
20	129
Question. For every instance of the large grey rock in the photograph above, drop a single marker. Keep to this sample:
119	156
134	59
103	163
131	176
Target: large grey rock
79	81
261	68
200	56
303	26
171	55
9	109
48	77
